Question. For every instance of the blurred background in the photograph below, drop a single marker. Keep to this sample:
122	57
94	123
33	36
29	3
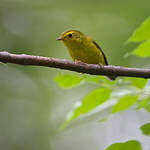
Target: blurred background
32	106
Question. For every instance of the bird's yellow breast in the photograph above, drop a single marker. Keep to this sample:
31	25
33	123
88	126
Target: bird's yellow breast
85	51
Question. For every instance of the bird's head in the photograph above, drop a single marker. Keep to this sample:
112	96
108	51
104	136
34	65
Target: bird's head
71	37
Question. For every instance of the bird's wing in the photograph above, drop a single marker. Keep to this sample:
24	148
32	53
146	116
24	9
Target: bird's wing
106	62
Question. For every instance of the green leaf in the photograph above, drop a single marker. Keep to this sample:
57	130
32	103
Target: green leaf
68	80
137	82
145	95
146	129
99	79
144	103
129	145
143	50
89	102
141	33
92	78
124	103
147	107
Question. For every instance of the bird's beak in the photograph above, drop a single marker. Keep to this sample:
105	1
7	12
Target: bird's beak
59	39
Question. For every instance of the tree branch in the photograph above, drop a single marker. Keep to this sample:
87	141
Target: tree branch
93	69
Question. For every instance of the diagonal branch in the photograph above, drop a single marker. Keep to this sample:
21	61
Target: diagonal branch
29	60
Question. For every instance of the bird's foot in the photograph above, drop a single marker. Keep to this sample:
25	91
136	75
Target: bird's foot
79	62
101	66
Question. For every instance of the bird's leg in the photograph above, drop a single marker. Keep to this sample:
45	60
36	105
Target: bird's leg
100	65
79	62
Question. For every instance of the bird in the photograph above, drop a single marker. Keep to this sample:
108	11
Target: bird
83	48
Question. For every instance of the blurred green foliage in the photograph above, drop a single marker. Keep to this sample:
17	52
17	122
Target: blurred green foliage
144	104
68	80
32	106
129	145
145	129
142	34
91	101
124	103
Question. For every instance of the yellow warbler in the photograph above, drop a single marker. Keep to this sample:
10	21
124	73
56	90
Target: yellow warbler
83	48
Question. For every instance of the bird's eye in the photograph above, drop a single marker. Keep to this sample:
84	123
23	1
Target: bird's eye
70	35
